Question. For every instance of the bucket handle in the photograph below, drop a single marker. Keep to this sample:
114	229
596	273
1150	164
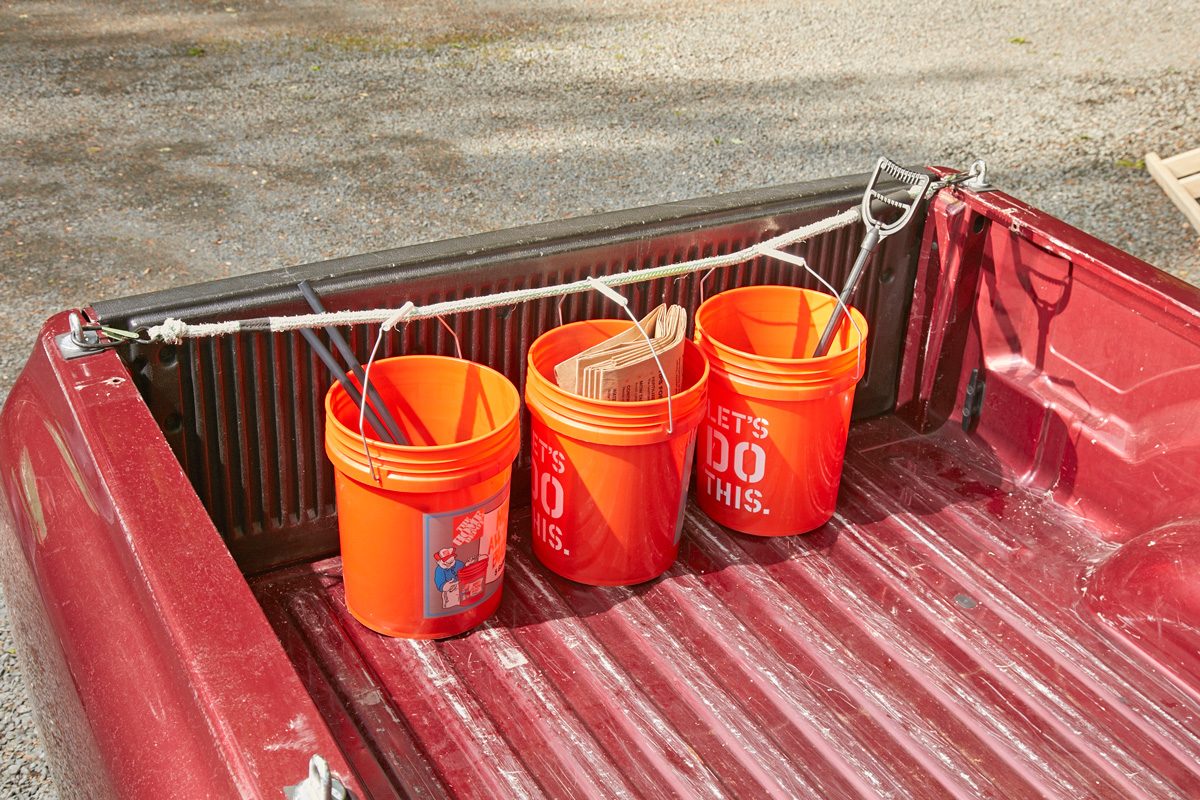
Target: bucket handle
389	324
623	302
453	333
803	263
703	281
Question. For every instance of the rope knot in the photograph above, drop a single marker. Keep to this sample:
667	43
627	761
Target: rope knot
171	331
402	314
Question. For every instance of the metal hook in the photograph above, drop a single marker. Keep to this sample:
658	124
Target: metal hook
400	317
973	178
675	282
669	287
363	407
87	337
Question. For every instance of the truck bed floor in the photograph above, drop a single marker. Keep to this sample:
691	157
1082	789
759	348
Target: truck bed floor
931	641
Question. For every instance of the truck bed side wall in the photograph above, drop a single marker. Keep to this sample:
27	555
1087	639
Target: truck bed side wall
1090	361
1089	365
153	671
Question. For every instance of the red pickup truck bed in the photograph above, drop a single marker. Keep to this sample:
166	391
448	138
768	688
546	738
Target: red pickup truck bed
1007	603
933	641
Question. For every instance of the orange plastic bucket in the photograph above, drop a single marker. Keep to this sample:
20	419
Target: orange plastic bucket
424	527
609	481
774	437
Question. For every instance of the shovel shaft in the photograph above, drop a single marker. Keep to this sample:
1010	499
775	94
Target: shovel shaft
336	371
860	264
343	347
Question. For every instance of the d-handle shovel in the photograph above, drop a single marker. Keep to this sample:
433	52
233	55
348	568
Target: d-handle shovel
876	232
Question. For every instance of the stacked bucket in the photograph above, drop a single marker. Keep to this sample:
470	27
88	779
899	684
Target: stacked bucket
775	434
609	478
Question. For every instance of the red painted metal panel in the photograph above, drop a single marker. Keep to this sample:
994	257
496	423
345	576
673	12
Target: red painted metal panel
932	641
1091	359
126	597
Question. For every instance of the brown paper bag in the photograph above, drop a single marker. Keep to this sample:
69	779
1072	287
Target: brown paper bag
623	368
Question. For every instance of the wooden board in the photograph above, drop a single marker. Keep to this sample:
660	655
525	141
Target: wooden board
1179	177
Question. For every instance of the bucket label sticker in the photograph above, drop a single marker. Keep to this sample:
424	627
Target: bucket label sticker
735	461
547	474
464	555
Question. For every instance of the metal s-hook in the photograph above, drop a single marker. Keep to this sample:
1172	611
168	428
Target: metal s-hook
798	261
703	281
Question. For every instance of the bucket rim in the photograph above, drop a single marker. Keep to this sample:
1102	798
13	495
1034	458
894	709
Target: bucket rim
809	373
387	447
826	360
596	431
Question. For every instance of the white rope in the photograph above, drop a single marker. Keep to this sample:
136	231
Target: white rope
173	331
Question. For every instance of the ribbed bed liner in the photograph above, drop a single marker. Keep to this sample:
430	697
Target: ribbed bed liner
931	641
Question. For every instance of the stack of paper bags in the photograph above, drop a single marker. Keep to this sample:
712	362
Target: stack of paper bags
623	368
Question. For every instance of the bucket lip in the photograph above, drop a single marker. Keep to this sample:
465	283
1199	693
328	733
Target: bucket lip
828	358
764	389
535	375
540	413
387	447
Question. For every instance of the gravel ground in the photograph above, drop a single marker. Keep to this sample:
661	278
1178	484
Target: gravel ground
151	145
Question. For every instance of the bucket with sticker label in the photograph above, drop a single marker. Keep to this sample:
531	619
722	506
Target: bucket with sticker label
423	527
773	440
609	479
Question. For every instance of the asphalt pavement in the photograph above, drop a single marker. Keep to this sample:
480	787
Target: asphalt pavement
144	146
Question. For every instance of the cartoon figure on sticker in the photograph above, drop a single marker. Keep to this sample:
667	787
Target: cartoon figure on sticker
465	548
445	575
